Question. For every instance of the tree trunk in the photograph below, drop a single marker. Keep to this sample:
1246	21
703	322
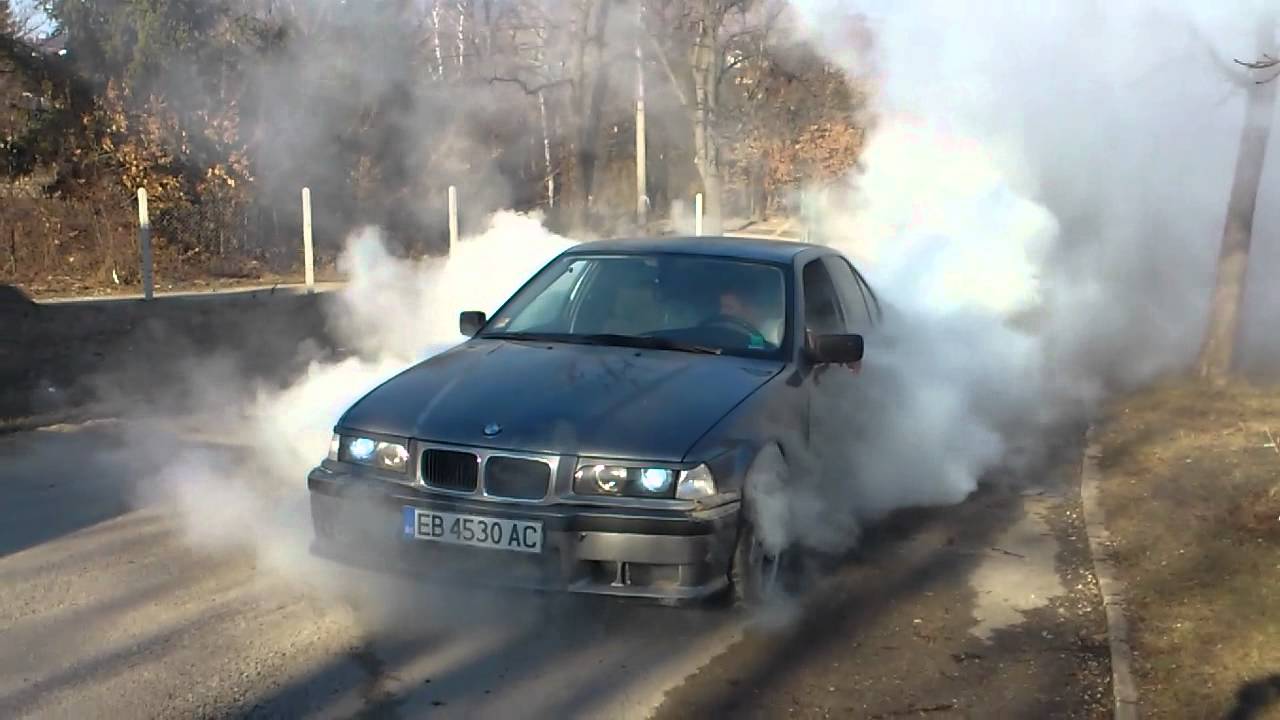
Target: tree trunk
759	192
435	39
548	177
1217	354
548	174
706	79
590	57
462	35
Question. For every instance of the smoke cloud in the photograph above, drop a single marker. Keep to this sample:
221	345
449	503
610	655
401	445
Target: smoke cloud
1041	206
242	484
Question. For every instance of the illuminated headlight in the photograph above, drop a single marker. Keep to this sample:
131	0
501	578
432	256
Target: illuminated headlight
657	480
696	484
381	454
620	480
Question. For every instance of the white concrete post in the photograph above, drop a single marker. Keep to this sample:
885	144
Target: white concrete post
308	250
697	214
144	244
453	218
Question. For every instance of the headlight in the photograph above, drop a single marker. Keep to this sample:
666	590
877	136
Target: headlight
696	484
381	454
620	480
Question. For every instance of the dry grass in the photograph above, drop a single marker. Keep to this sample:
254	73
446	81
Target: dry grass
1192	496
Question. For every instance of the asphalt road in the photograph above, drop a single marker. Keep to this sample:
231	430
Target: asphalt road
123	595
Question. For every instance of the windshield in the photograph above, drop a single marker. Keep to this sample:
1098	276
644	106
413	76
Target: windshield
678	302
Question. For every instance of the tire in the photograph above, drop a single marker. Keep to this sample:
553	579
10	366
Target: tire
754	576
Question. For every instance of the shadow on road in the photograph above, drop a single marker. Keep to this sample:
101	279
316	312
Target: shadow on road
483	653
57	482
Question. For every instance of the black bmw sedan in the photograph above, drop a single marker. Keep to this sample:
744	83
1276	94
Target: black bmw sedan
598	434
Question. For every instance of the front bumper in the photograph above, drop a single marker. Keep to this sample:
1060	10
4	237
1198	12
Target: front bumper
658	554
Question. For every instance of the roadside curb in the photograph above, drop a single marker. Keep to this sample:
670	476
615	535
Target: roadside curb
1123	687
10	426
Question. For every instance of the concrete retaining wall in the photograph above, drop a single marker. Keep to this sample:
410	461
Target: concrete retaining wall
71	358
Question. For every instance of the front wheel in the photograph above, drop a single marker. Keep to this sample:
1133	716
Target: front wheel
756	575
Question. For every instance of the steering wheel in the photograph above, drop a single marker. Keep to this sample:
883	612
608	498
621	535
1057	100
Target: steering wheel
731	323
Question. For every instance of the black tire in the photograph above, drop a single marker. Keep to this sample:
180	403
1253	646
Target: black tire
754	575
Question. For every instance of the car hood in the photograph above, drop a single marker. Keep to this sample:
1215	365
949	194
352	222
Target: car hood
560	398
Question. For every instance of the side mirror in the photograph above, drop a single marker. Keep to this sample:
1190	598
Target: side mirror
836	349
470	322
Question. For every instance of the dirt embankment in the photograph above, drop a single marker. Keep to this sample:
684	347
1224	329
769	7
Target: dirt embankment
65	360
1191	491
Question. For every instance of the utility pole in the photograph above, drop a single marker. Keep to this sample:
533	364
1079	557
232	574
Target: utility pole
642	154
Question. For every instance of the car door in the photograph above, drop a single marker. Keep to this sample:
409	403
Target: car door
823	315
843	306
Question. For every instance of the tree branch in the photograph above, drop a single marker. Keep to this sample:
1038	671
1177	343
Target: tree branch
671	73
1266	63
1225	69
528	89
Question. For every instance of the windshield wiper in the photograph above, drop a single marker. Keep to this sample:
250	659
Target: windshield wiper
529	337
650	342
636	341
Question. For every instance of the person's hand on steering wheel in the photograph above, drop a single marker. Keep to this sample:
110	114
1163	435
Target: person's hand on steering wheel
733	323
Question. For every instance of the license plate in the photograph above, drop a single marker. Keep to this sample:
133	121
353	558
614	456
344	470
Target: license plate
473	530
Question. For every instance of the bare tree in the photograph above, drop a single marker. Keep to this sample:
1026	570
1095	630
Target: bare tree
590	80
706	65
438	70
1217	354
697	58
22	21
540	59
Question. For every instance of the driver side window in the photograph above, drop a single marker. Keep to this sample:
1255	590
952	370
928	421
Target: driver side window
822	314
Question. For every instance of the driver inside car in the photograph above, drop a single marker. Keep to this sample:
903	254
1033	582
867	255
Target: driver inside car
741	301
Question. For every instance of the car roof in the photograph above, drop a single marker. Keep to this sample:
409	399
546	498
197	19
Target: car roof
743	248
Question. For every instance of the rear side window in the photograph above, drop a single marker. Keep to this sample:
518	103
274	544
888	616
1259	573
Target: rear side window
822	314
855	297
